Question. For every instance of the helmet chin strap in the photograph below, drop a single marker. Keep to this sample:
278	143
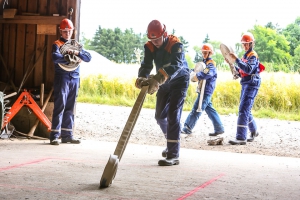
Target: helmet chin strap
251	45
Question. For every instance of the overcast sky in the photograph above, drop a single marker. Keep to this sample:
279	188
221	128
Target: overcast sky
222	20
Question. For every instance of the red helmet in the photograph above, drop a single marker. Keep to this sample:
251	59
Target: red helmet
207	47
156	30
66	24
247	38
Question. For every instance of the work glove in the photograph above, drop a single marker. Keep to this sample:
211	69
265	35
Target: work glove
193	76
199	67
75	52
72	59
235	77
140	82
157	80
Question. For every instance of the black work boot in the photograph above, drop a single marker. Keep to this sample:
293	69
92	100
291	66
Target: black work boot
54	142
237	142
252	136
70	140
164	153
169	162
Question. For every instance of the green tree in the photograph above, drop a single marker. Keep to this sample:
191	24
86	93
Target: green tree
296	59
84	41
292	34
185	43
206	39
271	46
274	27
182	40
117	45
198	56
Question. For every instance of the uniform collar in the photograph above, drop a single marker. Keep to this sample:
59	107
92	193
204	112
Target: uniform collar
245	55
165	42
207	59
63	39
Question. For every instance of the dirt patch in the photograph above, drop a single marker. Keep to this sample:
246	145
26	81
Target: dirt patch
106	123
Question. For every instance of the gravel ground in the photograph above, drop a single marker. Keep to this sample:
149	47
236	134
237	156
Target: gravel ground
106	123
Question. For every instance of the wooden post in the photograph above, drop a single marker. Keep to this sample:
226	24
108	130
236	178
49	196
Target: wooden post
30	134
42	95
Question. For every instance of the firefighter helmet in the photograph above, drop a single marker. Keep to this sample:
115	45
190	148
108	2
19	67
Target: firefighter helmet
247	38
66	25
156	29
207	47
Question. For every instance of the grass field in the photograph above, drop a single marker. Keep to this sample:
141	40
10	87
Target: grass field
278	96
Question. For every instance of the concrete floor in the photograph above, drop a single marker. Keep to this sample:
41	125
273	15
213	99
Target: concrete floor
33	169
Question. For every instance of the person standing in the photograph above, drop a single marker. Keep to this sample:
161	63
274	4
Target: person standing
170	82
249	69
66	55
210	75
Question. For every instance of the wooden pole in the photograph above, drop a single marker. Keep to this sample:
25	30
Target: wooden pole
30	134
35	137
42	95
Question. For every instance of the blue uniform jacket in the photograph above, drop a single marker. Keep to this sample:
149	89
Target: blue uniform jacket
170	56
57	57
210	75
248	66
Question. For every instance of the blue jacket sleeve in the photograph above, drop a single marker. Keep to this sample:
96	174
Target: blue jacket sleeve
249	67
177	59
85	56
57	57
147	63
211	72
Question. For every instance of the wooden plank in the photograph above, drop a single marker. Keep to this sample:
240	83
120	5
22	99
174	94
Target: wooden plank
40	43
30	45
22	7
20	19
38	71
13	3
43	7
49	74
1	37
19	66
64	8
12	40
29	53
32	6
5	49
46	29
2	71
20	46
12	47
54	7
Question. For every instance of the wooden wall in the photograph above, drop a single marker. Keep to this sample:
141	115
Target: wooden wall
22	48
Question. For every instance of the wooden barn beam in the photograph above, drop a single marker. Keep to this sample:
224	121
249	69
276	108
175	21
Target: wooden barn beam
19	19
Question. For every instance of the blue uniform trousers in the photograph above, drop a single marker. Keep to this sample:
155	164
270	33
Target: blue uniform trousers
169	103
245	118
194	116
65	94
